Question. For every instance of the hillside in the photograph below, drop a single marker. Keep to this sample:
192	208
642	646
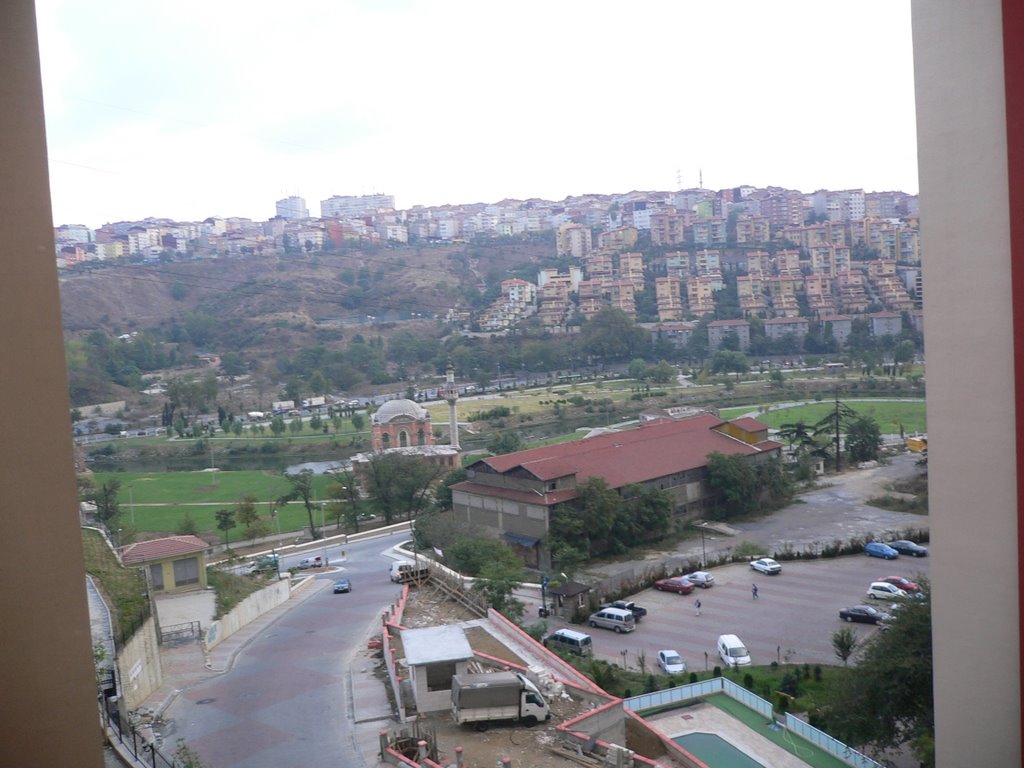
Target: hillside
268	307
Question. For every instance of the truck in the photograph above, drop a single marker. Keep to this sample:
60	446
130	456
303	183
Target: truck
481	698
628	605
404	572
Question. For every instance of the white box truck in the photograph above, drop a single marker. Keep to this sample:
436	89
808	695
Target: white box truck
496	696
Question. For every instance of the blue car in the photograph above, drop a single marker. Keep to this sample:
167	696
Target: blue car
878	549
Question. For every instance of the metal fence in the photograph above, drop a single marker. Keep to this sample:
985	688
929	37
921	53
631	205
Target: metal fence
133	742
834	747
675	695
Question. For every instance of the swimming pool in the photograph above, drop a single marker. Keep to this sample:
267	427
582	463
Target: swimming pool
715	751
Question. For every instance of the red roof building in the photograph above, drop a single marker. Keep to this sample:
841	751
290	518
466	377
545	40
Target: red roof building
174	563
512	495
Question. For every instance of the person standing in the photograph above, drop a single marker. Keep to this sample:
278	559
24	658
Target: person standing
753	591
697	606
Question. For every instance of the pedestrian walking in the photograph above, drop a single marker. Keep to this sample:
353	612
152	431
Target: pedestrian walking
753	591
697	606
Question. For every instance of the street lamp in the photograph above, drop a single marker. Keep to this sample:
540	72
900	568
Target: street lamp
703	548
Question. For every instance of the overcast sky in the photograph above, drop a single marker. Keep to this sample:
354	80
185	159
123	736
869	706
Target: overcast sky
197	108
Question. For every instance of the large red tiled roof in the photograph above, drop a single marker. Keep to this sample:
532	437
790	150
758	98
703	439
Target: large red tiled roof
158	549
655	449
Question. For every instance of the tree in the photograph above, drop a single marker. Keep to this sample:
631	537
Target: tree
397	484
278	426
799	436
888	701
863	439
443	493
844	643
832	424
187	525
358	422
612	335
726	361
302	488
505	442
105	498
225	522
344	488
732	479
295	425
249	517
497	580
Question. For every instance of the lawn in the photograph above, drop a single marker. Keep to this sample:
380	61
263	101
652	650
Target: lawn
888	414
157	501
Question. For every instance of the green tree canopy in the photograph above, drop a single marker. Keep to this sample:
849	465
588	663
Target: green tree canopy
863	439
612	335
889	700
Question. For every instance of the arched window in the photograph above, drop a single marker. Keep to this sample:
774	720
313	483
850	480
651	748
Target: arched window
385	440
403	438
419	437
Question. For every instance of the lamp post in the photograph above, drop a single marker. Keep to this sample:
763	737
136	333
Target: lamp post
131	503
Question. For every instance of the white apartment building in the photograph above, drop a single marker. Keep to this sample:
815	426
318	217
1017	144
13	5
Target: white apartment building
350	206
292	208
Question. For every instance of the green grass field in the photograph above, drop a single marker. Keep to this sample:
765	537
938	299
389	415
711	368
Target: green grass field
888	415
201	494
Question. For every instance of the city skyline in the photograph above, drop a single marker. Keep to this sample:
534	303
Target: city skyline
197	111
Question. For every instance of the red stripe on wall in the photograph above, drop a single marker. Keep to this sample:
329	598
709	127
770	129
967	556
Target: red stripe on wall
1013	68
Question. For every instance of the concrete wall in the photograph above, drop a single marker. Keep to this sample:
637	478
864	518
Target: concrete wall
138	666
254	606
48	713
966	218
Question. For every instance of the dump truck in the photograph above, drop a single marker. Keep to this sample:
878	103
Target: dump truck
482	698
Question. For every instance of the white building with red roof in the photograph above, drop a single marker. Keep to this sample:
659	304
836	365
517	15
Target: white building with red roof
512	495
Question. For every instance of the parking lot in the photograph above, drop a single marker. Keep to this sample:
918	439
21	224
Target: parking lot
794	616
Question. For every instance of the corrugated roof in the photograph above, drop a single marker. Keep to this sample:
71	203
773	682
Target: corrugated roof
159	549
655	449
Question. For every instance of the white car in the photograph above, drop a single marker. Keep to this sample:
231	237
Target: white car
767	566
671	662
883	590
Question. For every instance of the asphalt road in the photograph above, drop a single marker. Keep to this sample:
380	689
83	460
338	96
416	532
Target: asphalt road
795	614
285	700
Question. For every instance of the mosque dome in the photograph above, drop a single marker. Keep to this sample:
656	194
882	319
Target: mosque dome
393	409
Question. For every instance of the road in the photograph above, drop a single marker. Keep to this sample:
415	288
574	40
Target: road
285	701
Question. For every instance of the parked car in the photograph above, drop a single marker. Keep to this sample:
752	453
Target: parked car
671	662
638	611
767	566
905	547
864	614
732	651
701	579
679	584
616	619
883	590
342	585
878	549
905	584
311	562
571	641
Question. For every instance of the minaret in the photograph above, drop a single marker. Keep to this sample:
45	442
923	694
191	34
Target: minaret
450	393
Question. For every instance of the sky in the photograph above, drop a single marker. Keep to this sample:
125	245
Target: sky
192	108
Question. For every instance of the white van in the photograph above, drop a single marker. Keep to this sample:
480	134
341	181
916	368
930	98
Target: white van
618	619
569	640
732	651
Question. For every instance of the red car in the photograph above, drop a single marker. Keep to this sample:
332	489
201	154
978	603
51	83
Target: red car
905	584
679	584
